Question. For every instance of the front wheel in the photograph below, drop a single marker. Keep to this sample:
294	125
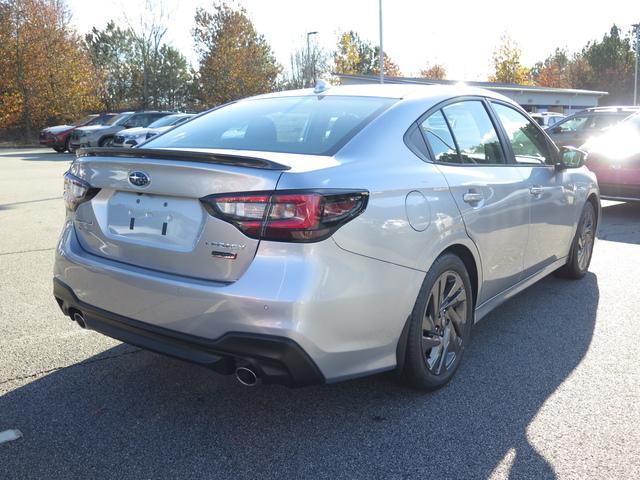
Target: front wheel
440	325
106	142
582	246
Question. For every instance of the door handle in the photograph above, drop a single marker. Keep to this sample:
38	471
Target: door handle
472	197
536	190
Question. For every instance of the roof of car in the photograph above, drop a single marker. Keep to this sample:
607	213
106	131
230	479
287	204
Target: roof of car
399	91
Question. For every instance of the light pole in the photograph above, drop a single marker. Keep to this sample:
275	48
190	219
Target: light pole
635	77
381	49
309	59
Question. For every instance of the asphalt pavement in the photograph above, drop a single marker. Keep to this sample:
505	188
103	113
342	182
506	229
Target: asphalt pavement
549	388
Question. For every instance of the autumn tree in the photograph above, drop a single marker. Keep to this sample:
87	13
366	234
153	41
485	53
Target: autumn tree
553	71
506	63
356	56
234	60
34	90
436	71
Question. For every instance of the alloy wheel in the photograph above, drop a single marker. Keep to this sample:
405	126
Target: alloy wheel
585	240
443	323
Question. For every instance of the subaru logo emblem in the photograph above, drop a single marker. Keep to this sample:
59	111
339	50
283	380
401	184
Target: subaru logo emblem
139	179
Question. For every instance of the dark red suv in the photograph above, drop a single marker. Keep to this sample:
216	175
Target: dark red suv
58	137
614	157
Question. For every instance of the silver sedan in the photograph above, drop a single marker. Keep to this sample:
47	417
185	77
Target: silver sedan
320	235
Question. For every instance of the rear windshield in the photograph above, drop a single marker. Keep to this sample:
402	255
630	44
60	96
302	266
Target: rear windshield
309	125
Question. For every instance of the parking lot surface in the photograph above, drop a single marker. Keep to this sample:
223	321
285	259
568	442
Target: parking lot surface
549	388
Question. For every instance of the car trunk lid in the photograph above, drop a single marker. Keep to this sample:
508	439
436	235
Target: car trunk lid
148	212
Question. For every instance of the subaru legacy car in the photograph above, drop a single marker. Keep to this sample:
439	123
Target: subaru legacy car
135	136
319	235
102	135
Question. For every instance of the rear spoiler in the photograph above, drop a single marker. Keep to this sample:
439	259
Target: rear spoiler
185	155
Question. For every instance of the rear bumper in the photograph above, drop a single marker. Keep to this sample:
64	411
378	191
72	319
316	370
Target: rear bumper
50	142
275	359
344	311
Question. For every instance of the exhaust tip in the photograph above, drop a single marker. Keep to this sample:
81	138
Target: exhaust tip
79	319
246	376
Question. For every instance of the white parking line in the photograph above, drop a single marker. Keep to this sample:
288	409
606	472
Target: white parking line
9	435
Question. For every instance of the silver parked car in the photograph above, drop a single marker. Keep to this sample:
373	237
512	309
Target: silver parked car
320	235
102	135
135	136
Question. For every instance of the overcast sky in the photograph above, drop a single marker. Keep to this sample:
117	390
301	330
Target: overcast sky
459	34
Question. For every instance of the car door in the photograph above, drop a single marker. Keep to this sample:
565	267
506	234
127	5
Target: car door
552	196
490	193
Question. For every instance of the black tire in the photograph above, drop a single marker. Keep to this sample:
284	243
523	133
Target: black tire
577	264
428	363
59	149
105	142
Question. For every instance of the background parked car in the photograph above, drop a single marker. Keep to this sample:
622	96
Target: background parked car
58	137
576	129
102	135
135	136
547	119
615	159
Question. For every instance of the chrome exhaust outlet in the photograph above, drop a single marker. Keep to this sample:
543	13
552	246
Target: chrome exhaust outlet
246	376
79	319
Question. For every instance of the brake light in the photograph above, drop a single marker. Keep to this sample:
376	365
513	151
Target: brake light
77	191
288	216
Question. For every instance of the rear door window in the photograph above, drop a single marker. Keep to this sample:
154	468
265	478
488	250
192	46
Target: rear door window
437	134
474	133
528	143
574	124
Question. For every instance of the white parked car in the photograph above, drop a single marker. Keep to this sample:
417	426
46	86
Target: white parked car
547	119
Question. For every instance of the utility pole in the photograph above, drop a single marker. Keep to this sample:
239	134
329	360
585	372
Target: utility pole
635	78
381	48
306	73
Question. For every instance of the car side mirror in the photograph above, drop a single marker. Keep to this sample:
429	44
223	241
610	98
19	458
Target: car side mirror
571	157
128	125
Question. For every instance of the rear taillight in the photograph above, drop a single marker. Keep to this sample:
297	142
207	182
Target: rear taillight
77	191
285	216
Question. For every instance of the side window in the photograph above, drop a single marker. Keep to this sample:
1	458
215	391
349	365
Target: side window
528	143
437	134
573	124
136	120
600	122
474	132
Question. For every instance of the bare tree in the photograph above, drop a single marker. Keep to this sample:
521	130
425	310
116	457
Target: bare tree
148	36
306	65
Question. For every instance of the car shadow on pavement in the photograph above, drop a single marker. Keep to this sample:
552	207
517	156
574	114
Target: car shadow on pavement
128	413
37	155
616	221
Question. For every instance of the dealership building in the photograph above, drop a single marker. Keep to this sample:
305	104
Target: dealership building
532	99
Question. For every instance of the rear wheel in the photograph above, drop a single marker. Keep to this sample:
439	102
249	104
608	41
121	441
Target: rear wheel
59	149
582	246
440	325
